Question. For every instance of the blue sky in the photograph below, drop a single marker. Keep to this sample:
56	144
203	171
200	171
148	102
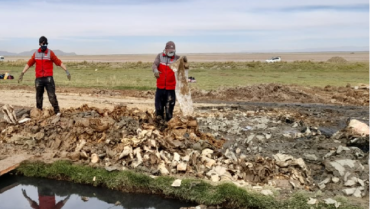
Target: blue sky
196	26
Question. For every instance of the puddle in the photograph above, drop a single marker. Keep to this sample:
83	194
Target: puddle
50	194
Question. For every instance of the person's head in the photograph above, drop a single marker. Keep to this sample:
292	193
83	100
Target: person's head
43	42
170	49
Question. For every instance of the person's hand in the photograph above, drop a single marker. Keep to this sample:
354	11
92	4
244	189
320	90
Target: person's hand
156	73
24	193
68	75
20	77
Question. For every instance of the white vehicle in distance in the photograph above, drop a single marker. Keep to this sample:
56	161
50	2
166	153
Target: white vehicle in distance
274	59
1	58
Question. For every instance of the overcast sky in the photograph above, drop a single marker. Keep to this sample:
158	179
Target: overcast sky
196	26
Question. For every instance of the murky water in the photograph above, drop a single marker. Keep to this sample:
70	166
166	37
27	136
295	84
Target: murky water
17	192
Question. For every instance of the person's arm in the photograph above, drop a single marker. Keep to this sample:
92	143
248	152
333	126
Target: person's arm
29	64
32	203
59	63
155	66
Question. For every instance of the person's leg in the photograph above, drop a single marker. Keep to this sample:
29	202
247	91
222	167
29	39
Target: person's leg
170	103
39	85
160	102
50	88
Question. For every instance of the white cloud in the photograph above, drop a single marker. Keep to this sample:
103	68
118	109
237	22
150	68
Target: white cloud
96	21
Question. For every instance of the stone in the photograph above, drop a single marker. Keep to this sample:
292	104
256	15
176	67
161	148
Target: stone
335	179
238	150
176	183
267	192
215	178
358	192
186	158
181	167
312	201
350	182
311	157
208	162
339	165
342	148
127	150
94	158
176	157
349	191
358	127
207	152
330	201
162	169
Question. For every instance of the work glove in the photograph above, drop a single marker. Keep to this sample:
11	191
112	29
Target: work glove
156	73
20	77
68	75
185	59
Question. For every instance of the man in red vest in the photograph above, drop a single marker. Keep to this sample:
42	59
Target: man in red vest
44	59
165	97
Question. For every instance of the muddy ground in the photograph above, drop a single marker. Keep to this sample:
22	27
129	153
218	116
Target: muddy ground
265	138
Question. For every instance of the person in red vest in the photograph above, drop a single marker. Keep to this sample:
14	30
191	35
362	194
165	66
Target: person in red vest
44	59
165	97
46	199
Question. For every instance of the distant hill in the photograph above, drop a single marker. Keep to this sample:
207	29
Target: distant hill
30	53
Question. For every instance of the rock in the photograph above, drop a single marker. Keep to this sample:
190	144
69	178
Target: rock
349	191
329	154
117	203
339	165
83	198
238	150
35	113
94	158
181	167
186	158
330	201
126	151
312	201
176	183
162	169
176	157
208	162
350	182
322	184
267	192
358	127
341	148
215	178
357	192
282	159
268	135
230	155
335	179
207	152
311	157
74	156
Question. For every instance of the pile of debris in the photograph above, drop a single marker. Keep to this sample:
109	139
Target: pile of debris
132	139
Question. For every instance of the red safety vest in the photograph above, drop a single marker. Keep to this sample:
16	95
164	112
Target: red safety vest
44	64
166	78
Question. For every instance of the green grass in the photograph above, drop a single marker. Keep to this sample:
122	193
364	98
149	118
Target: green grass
199	191
209	76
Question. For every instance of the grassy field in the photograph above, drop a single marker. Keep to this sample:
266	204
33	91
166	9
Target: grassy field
209	75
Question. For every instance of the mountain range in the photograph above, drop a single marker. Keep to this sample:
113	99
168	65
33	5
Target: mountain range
30	53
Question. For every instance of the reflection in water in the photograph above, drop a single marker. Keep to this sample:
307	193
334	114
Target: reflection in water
17	192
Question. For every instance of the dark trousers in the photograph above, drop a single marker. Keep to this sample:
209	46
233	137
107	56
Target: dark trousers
165	101
46	83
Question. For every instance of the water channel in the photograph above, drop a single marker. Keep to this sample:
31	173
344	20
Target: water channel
18	192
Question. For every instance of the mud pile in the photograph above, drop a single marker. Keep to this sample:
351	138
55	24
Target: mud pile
132	139
288	94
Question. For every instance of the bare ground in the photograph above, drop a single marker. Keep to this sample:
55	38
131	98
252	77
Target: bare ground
245	128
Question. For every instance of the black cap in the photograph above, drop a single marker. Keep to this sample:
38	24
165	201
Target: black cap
43	40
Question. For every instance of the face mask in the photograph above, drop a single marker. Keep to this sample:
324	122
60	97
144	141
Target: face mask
171	54
44	47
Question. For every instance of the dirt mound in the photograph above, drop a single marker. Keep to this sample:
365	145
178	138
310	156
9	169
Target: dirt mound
287	94
263	92
337	60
